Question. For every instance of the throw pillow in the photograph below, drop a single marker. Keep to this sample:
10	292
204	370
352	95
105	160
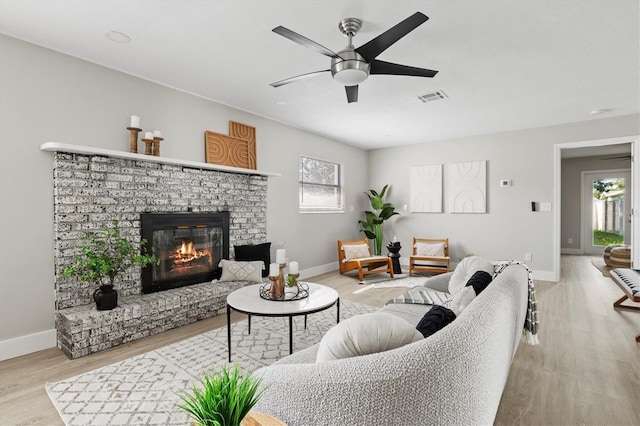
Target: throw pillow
430	250
434	320
366	334
254	252
465	270
241	271
355	251
478	282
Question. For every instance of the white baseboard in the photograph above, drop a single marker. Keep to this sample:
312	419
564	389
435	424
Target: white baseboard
318	270
544	276
571	251
23	345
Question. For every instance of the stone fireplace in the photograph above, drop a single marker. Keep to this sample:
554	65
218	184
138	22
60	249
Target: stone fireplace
93	189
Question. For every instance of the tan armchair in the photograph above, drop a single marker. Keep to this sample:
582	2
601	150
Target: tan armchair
434	264
357	255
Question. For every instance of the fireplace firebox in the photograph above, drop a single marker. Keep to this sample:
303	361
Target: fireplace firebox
188	245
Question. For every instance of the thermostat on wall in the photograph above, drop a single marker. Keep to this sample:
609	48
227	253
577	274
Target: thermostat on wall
505	183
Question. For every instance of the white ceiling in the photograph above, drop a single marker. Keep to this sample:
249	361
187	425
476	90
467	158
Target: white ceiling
505	65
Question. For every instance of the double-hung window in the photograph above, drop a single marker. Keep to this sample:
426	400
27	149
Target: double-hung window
320	186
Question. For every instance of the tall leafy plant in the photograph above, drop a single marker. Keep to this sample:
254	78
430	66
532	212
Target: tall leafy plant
103	256
374	218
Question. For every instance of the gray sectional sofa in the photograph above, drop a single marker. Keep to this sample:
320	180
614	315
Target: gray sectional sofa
454	377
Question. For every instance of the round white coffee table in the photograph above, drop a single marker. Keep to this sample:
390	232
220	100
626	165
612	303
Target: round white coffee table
247	300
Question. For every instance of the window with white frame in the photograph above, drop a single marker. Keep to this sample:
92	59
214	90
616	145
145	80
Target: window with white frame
320	186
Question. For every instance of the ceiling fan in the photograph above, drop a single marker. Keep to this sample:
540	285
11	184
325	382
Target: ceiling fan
351	66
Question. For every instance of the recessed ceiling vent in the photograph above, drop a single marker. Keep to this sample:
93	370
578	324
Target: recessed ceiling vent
434	96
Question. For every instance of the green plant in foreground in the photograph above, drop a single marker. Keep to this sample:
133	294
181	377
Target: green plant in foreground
224	399
105	255
372	225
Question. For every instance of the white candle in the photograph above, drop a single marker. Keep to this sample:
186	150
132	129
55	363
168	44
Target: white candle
135	121
148	135
274	270
293	268
280	256
157	134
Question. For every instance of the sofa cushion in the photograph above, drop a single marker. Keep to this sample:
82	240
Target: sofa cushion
251	252
241	271
466	269
430	250
474	286
355	251
366	334
435	319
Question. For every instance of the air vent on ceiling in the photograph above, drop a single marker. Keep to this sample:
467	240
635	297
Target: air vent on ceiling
434	96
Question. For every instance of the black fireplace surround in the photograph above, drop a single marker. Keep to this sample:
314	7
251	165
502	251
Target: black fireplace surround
189	246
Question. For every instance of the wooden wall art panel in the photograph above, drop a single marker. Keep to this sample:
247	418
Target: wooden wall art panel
236	150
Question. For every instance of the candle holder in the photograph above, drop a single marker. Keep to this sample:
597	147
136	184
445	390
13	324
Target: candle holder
156	145
148	146
134	139
276	291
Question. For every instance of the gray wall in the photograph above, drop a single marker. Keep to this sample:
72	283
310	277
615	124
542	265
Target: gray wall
572	169
47	96
510	228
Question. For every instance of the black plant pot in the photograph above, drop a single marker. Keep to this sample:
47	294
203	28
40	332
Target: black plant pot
106	298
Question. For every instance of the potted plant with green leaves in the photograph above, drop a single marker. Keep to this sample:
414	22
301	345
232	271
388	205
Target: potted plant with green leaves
224	398
374	219
103	256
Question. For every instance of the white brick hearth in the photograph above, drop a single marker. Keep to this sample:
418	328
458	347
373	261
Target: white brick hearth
92	190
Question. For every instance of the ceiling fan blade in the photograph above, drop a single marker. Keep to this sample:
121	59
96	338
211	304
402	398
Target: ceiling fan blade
373	48
296	78
302	40
382	67
352	93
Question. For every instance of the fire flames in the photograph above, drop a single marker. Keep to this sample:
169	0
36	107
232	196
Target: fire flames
186	254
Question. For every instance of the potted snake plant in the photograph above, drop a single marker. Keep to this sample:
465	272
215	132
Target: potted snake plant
375	218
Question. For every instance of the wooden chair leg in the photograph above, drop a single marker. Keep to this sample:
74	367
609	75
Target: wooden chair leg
360	272
618	304
638	338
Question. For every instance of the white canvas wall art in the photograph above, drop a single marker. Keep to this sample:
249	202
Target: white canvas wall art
425	190
467	187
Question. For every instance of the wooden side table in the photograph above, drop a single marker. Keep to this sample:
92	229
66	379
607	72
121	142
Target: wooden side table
260	419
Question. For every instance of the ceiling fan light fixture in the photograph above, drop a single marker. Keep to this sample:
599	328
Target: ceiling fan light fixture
350	69
350	77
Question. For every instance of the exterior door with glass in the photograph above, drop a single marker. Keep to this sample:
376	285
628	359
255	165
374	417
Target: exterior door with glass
606	209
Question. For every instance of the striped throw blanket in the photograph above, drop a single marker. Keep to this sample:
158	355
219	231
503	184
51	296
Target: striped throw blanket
530	331
423	297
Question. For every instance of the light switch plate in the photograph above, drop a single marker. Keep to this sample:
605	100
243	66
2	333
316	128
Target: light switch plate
545	207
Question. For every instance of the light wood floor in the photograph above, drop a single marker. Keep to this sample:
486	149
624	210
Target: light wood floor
585	371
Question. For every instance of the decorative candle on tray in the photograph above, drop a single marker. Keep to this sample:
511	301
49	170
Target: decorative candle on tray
276	291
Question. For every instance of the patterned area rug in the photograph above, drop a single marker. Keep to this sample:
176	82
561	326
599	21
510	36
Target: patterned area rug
143	390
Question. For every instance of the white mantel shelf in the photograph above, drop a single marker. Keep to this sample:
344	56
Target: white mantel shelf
89	150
